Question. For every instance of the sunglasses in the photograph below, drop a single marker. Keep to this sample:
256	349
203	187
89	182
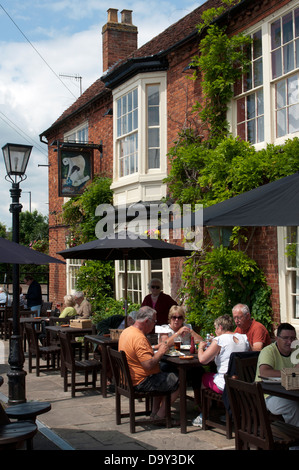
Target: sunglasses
155	287
177	318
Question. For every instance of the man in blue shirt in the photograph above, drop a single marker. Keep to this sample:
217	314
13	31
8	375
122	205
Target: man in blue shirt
34	295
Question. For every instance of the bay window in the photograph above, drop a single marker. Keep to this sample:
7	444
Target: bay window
266	103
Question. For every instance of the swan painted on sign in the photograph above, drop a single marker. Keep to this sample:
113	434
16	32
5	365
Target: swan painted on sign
75	176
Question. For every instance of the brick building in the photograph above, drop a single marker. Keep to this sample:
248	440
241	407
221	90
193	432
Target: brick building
131	116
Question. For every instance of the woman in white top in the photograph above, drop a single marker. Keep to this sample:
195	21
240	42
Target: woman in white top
222	346
176	328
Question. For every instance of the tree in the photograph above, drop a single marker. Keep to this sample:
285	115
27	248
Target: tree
2	230
33	227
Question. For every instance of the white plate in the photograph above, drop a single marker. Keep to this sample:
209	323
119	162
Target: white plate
273	380
185	347
174	354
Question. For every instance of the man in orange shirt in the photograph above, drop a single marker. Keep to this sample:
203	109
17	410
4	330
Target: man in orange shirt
257	335
144	363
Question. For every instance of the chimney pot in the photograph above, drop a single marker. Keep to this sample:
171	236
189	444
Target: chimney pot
112	15
126	16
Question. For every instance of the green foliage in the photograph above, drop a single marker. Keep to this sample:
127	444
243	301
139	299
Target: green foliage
33	226
216	281
79	212
187	161
109	306
2	230
200	174
209	15
222	60
95	279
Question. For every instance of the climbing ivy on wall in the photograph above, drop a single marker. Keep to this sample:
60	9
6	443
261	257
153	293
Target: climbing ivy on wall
217	168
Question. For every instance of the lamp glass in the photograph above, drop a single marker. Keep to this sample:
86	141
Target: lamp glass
16	158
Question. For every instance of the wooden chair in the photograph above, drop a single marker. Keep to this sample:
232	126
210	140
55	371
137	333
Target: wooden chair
251	421
246	368
207	396
124	386
54	338
70	364
34	349
245	361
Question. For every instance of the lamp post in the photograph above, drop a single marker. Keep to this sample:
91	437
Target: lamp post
16	158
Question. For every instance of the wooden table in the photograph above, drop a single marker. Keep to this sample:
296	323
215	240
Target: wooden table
69	329
34	320
278	390
102	341
183	365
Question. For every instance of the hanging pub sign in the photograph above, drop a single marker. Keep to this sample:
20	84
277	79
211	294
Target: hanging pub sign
75	170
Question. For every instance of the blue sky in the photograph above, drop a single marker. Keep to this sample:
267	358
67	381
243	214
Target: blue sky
42	40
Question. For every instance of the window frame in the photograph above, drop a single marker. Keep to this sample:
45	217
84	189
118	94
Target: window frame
269	84
286	294
141	81
76	131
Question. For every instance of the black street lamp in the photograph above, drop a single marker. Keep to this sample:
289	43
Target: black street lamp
16	158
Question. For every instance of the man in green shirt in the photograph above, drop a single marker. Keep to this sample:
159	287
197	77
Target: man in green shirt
271	360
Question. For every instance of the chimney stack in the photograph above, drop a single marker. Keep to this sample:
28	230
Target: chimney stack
119	39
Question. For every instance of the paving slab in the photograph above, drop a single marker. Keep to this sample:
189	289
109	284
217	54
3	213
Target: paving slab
87	422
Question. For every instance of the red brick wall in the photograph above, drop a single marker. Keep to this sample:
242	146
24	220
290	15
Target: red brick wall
263	249
118	43
100	129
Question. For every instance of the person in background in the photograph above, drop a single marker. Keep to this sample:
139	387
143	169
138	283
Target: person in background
158	301
4	297
115	322
83	307
69	307
226	342
256	333
131	318
34	295
271	360
144	363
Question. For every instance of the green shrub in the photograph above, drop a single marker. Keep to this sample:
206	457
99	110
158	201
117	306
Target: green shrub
215	281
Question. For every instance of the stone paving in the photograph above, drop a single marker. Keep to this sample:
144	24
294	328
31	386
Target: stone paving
87	422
